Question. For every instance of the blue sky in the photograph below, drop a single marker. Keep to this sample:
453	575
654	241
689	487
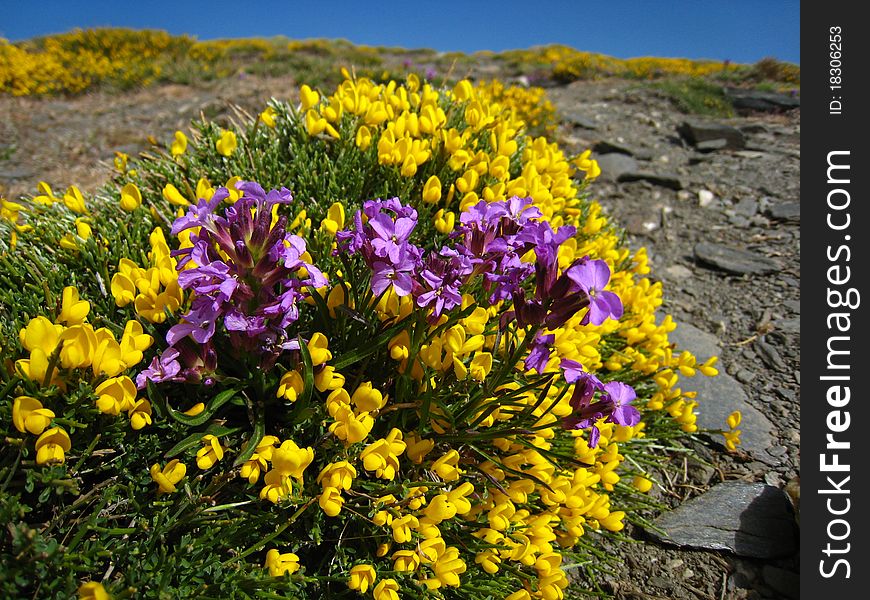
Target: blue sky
737	30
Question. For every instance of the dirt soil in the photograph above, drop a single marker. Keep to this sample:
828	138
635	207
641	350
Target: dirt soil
727	197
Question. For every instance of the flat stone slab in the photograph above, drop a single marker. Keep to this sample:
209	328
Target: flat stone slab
754	520
580	120
697	131
697	341
733	260
721	395
668	181
615	164
790	211
762	101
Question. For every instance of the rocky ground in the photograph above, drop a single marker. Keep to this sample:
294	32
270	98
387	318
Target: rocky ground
718	210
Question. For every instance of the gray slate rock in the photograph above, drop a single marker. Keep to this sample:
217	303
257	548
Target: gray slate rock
745	100
608	147
750	519
13	173
790	211
696	131
721	395
747	207
615	164
700	343
733	260
579	120
711	145
668	181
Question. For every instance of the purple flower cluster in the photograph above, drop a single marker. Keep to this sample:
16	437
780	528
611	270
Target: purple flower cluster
383	242
490	243
247	274
613	402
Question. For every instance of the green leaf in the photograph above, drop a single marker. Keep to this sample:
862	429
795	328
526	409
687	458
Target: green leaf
195	438
307	371
254	440
372	345
209	411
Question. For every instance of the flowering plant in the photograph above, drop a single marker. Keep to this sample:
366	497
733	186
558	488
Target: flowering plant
436	392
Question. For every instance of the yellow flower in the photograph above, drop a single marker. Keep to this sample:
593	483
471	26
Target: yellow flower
382	456
291	460
74	200
363	138
168	476
588	165
432	190
402	528
279	563
387	589
131	197
45	196
339	475
134	342
406	561
227	143
734	419
115	395
447	466
642	484
93	590
291	385
268	117
418	448
140	414
278	486
334	220
330	501
318	348
210	453
108	357
83	228
29	415
120	161
179	144
732	439
40	333
173	196
308	97
447	568
440	509
51	445
73	311
480	366
362	577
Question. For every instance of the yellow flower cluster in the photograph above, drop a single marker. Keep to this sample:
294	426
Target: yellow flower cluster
72	62
71	343
568	64
154	291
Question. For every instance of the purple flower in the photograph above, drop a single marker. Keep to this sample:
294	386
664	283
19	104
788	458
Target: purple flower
162	368
592	276
390	236
621	395
384	274
202	215
539	353
245	279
